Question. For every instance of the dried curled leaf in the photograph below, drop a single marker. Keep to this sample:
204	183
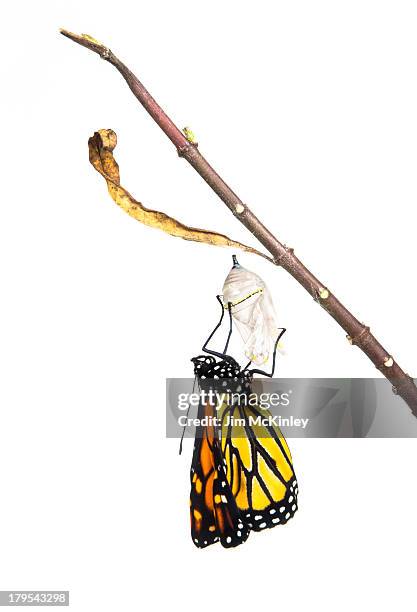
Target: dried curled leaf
101	146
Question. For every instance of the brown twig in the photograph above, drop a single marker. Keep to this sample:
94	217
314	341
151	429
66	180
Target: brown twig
357	333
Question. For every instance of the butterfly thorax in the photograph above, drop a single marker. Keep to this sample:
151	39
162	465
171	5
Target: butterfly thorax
223	374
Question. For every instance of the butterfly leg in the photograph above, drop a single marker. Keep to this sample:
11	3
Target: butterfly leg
217	353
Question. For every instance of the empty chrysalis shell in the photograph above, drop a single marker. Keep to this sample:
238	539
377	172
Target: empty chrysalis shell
252	311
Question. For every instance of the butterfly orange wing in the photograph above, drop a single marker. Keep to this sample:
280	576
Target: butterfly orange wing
213	509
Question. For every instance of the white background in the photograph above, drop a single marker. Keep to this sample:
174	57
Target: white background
308	109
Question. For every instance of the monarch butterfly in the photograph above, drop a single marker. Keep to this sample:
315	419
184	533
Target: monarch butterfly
242	477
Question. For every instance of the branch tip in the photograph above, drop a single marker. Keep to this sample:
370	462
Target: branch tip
87	41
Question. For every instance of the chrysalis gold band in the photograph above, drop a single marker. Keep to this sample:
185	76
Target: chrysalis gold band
259	290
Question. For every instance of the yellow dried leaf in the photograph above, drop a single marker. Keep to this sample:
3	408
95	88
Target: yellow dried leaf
101	146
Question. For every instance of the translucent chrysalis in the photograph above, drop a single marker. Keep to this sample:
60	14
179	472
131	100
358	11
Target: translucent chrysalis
252	311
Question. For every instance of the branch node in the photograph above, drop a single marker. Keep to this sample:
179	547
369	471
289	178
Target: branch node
286	255
182	151
323	293
320	294
388	362
361	338
105	53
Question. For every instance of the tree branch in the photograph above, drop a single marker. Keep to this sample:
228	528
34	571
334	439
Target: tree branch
357	333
